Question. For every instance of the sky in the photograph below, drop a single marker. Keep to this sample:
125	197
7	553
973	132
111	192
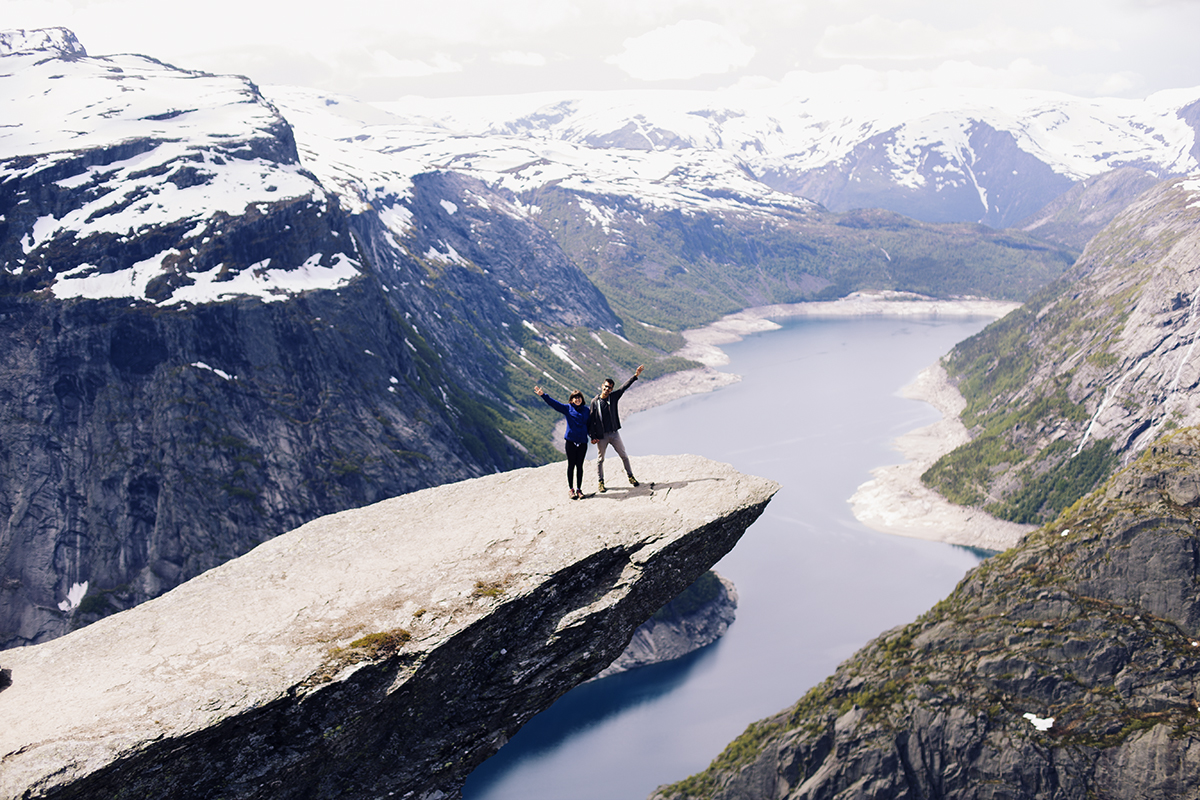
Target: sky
387	49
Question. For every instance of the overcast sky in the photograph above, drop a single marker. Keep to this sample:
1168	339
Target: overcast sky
385	49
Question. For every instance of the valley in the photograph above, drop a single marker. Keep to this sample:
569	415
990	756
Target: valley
232	310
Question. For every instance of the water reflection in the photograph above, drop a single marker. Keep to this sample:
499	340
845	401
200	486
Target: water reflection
587	706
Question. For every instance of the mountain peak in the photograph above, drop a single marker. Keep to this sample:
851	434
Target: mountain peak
59	41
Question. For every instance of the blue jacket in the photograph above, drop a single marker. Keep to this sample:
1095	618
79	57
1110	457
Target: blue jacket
577	419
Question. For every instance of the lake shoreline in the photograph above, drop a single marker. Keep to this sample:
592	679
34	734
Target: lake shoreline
894	501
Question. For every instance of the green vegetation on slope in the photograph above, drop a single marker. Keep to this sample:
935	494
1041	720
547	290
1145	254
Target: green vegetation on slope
676	269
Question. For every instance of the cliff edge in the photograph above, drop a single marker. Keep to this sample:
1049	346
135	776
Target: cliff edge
390	648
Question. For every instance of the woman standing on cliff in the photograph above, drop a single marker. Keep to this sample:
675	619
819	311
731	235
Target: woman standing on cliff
576	412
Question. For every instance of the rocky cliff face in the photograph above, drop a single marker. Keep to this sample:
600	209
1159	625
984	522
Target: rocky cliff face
383	650
208	344
1065	667
1089	372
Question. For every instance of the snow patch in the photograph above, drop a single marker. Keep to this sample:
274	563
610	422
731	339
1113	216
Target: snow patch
450	256
221	373
74	597
397	218
1192	187
268	285
1040	723
451	208
600	216
562	353
129	282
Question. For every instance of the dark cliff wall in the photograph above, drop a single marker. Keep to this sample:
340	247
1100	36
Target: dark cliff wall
144	446
1092	625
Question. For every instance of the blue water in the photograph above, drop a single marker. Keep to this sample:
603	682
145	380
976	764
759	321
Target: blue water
816	410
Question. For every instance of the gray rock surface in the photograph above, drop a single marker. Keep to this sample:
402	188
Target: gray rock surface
669	634
1066	667
1083	211
386	649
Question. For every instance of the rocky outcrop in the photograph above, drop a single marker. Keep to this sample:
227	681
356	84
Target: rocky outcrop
1066	667
1087	373
695	619
387	649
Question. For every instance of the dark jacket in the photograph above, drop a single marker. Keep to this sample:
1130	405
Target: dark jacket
577	419
605	417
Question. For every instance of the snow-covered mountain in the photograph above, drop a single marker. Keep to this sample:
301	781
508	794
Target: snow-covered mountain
97	151
933	155
674	236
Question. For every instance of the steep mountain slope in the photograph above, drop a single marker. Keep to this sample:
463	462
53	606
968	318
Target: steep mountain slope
206	347
1087	207
1089	372
937	156
676	268
1062	668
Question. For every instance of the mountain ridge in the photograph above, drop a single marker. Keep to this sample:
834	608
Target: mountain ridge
936	156
207	348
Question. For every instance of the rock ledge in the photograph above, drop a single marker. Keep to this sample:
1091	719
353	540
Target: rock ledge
384	649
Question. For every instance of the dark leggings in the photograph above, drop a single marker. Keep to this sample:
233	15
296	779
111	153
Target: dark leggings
575	454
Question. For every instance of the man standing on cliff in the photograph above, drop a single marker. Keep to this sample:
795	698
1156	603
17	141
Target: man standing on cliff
604	425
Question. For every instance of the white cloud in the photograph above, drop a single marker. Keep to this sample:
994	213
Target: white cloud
1118	83
376	49
384	64
855	79
521	59
878	37
685	49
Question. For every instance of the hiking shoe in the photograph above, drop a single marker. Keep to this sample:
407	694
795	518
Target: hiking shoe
602	490
574	495
633	481
579	494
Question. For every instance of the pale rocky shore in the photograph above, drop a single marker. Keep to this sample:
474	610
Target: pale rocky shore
704	344
894	501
